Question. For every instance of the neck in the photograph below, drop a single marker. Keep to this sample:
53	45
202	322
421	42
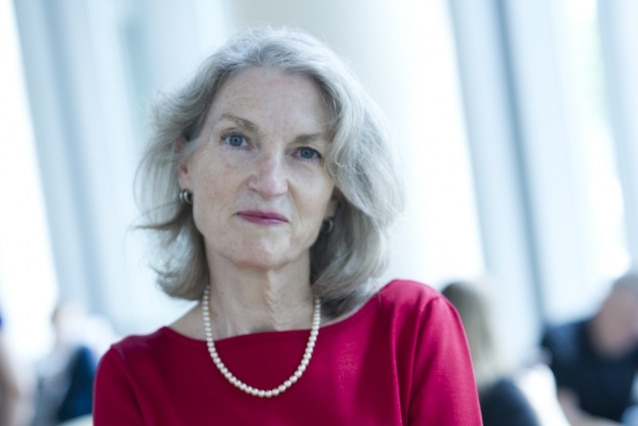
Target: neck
250	302
233	380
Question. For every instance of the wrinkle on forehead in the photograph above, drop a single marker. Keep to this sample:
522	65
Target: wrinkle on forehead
243	95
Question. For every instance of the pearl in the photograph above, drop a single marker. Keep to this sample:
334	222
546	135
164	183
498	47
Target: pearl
230	377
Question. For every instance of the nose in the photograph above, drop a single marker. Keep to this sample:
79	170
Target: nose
269	177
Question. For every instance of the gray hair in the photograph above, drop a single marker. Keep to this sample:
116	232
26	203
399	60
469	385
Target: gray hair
361	162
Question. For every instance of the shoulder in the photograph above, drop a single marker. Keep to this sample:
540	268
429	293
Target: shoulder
413	296
401	291
138	341
136	349
416	304
430	344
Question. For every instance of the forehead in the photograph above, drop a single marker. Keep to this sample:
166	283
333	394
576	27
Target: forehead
277	91
258	81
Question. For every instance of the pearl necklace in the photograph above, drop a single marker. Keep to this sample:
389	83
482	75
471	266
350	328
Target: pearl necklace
314	332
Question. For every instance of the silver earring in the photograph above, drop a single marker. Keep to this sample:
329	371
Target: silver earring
186	197
327	225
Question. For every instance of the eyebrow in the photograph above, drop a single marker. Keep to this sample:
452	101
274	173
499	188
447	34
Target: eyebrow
252	127
247	124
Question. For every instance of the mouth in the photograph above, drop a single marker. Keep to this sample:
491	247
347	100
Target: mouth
262	217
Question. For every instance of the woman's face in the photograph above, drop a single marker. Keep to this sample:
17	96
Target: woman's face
259	184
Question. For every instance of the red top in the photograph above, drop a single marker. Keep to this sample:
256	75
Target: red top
402	359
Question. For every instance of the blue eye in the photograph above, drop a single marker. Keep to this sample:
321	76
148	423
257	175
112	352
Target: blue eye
308	153
234	139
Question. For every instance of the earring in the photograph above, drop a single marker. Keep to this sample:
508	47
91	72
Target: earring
327	225
186	197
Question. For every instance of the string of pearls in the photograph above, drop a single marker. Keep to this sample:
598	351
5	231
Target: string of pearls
314	332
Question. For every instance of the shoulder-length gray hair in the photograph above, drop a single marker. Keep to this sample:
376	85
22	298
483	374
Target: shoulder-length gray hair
361	162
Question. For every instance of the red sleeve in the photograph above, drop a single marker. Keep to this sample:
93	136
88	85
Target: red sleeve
444	390
115	401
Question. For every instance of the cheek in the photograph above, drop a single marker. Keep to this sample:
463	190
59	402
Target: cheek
322	201
211	194
211	175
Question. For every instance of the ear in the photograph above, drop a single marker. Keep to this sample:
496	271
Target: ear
183	175
331	209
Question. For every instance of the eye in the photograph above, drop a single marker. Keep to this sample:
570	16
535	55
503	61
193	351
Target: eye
234	139
308	153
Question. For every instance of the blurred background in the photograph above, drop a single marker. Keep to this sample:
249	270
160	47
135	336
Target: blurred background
515	121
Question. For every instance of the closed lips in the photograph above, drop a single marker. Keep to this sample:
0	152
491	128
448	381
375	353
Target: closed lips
261	216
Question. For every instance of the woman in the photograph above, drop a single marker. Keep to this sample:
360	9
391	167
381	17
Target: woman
502	402
286	189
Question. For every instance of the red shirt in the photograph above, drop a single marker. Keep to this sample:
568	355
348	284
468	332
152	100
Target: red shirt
402	359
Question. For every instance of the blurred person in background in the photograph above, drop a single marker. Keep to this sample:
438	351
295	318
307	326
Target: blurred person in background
595	360
15	396
65	377
273	191
503	403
